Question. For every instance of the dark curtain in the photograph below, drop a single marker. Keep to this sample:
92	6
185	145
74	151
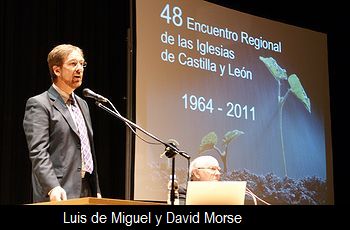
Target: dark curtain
29	30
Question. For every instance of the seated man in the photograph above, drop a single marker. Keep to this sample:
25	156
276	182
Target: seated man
202	168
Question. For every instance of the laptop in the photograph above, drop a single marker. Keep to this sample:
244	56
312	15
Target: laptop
215	192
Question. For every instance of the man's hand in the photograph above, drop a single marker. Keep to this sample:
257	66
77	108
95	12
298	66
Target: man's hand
57	194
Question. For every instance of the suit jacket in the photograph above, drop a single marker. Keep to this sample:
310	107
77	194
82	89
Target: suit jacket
54	145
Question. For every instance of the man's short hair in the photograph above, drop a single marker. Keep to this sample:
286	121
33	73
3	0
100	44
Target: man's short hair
58	54
202	162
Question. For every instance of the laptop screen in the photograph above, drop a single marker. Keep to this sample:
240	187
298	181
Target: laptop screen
215	192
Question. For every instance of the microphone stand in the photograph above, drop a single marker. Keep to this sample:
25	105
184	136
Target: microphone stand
170	149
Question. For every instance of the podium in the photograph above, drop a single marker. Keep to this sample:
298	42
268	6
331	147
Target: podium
97	201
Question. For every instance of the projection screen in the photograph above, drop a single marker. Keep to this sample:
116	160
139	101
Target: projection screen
249	91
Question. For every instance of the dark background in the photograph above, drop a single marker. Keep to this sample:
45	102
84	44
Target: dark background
30	29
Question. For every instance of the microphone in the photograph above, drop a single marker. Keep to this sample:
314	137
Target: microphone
171	150
168	150
97	97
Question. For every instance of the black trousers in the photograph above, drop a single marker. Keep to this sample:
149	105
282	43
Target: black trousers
85	187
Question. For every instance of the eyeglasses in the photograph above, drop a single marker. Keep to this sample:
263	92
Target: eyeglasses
74	64
212	169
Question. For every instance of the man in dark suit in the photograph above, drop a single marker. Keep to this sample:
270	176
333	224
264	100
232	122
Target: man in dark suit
59	133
